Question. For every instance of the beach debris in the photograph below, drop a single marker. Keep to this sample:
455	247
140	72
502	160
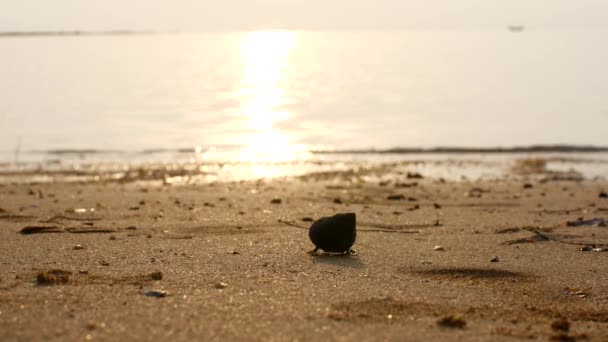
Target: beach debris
406	185
495	259
276	201
158	275
538	237
573	291
603	194
452	321
561	324
41	230
589	248
595	222
53	277
78	247
508	230
156	293
569	176
400	197
334	234
77	230
220	286
414	175
475	192
439	248
81	210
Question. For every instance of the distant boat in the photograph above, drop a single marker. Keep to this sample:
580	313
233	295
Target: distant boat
516	28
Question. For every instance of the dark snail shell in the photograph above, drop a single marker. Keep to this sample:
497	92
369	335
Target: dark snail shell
334	234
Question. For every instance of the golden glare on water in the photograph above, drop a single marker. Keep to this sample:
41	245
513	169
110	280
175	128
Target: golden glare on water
265	59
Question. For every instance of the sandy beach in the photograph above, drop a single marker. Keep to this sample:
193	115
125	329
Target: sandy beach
469	260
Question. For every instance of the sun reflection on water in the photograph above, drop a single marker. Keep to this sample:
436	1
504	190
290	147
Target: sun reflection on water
265	59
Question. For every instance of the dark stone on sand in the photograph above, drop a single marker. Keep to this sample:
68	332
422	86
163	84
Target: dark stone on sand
53	277
603	194
528	186
561	325
335	234
307	219
156	275
276	201
395	197
337	200
414	175
452	322
495	259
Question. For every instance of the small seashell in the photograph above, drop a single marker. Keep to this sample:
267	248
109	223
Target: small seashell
156	293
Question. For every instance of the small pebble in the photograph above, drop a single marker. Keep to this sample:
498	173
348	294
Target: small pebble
221	285
452	322
414	175
603	194
561	325
79	247
495	259
276	201
156	275
438	248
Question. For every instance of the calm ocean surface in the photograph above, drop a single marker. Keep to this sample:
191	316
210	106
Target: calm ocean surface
272	96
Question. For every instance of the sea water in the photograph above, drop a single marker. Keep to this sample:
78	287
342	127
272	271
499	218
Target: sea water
273	98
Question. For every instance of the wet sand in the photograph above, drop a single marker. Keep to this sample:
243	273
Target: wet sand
483	260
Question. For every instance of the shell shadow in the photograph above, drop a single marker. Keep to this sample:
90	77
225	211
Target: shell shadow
349	261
